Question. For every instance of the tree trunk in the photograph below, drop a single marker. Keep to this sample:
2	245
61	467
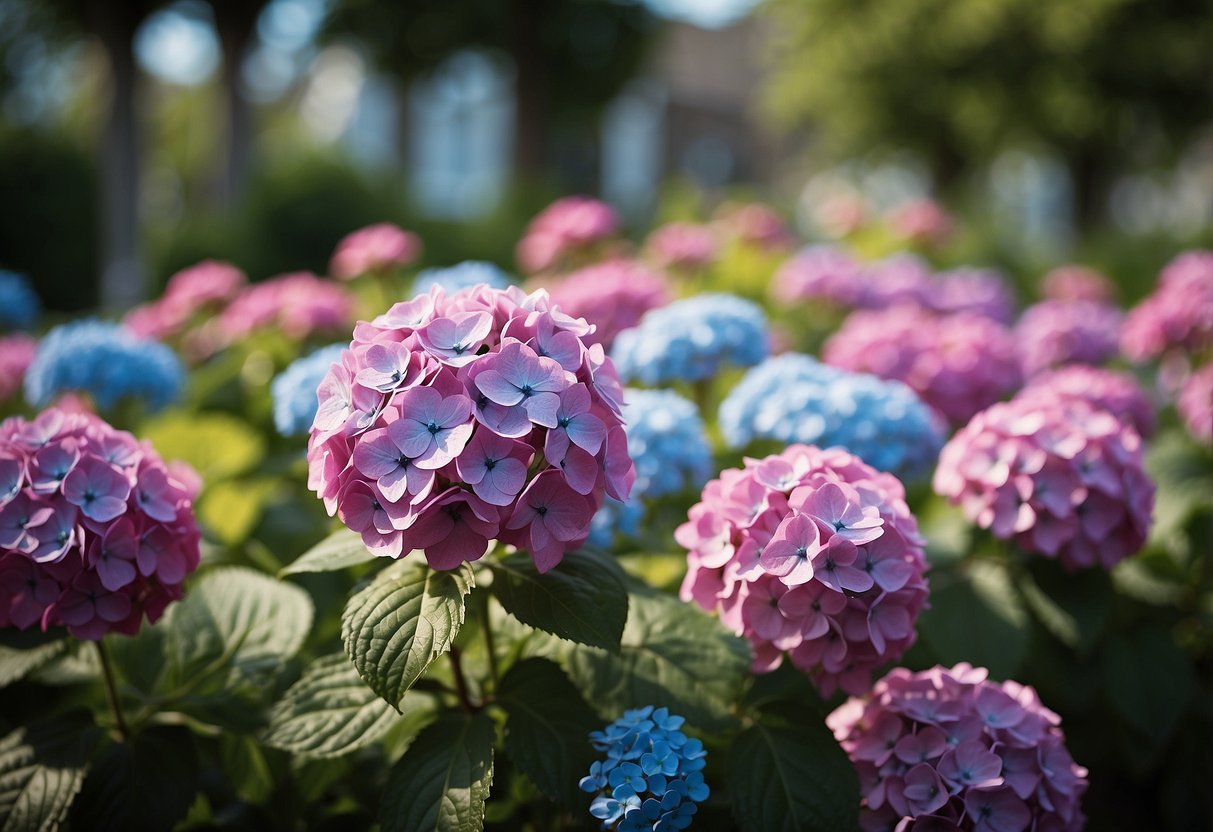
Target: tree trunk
235	23
1091	186
531	93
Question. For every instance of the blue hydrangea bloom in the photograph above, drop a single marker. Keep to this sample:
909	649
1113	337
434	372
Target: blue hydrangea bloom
294	390
19	303
615	518
794	398
652	776
691	339
105	360
461	276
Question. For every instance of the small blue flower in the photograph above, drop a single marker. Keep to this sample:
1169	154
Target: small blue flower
105	360
19	303
294	390
692	339
461	276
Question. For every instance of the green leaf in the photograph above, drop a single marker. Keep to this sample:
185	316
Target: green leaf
442	782
329	712
340	549
977	617
671	655
407	617
1072	606
791	774
42	767
216	445
582	599
1183	472
547	734
21	653
230	510
1149	680
148	782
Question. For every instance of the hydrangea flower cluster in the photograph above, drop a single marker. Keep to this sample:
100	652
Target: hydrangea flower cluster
613	296
203	287
461	276
299	304
95	531
811	553
105	360
959	364
16	353
683	245
898	278
1076	282
1178	315
1057	475
756	224
1055	332
1196	404
651	779
949	749
375	248
921	221
821	272
1108	390
981	291
294	390
795	398
568	226
20	306
692	339
454	420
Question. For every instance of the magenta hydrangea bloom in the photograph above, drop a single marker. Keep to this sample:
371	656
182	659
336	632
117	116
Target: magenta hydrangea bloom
1196	404
567	227
949	749
959	363
1056	332
821	272
1108	390
96	532
921	221
1058	476
17	351
298	304
613	296
200	289
1178	315
683	245
813	554
454	420
373	249
1074	282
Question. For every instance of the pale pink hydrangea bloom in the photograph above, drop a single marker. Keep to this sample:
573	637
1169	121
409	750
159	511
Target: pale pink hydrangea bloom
756	224
946	748
567	226
1057	332
841	214
372	249
813	554
921	221
1108	390
959	364
683	245
454	420
1178	315
1196	404
821	272
16	353
95	531
1058	476
202	288
1074	282
298	304
613	296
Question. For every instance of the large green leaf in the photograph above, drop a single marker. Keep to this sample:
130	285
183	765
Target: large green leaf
582	599
147	782
21	653
1072	606
442	782
547	734
42	767
788	774
340	549
1183	472
1149	680
217	445
407	617
671	655
976	616
329	712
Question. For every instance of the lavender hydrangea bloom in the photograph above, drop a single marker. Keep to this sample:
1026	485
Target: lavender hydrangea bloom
294	390
462	276
108	362
1056	332
19	303
794	398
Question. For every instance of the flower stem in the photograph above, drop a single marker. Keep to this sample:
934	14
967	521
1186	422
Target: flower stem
111	691
489	644
461	685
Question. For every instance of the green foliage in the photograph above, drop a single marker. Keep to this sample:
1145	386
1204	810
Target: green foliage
216	445
341	549
147	782
21	653
42	767
976	616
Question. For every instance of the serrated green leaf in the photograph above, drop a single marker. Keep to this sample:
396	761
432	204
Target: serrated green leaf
791	775
339	550
582	599
442	782
147	782
329	712
21	653
977	618
547	733
671	655
1148	679
407	617
42	767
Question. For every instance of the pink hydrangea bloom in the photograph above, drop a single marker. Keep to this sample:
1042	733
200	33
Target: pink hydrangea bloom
372	249
921	221
756	224
567	226
95	531
683	245
1074	282
949	746
959	364
202	288
1196	404
16	353
898	278
813	554
454	420
820	272
613	296
981	291
1055	332
1178	315
1108	390
298	304
1057	475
